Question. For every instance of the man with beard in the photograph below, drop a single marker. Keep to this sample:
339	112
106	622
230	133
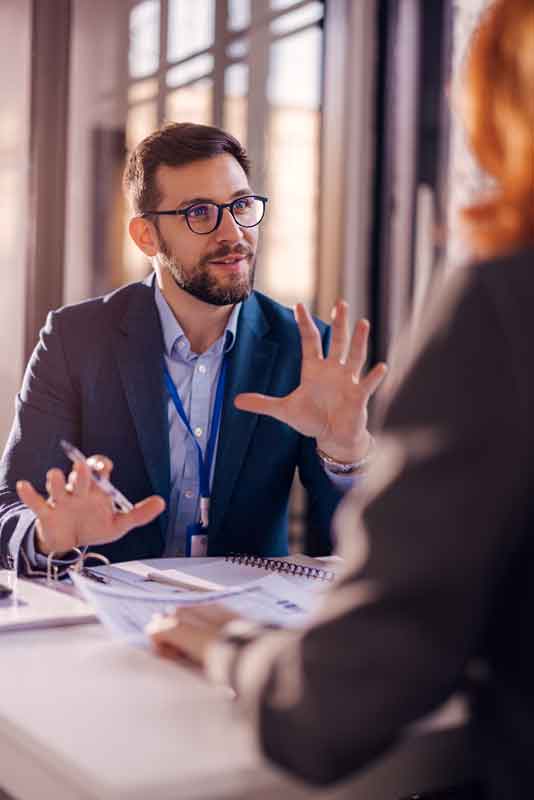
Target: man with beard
150	376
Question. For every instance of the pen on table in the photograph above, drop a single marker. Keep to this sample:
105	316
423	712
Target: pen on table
122	503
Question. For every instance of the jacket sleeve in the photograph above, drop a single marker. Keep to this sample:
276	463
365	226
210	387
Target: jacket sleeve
424	553
46	410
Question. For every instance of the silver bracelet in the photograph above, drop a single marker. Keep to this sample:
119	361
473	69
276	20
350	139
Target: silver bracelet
347	468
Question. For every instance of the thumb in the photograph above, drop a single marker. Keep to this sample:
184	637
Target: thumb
141	514
261	404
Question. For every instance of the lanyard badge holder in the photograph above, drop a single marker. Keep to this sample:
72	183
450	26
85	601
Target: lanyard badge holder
196	534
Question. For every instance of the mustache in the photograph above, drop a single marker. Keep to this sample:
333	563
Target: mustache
225	252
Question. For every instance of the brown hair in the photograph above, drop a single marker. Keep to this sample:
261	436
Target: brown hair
174	145
498	110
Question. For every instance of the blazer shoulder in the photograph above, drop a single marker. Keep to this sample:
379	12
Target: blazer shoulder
112	306
280	318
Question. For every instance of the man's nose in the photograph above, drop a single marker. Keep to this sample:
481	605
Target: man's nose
228	229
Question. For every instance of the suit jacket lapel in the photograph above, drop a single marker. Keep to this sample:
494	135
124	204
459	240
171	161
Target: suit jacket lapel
250	367
139	348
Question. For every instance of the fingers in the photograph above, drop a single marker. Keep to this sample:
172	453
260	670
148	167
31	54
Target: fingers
373	379
55	485
166	636
141	514
159	624
101	464
79	479
340	332
166	651
170	634
358	348
312	347
32	499
214	615
261	404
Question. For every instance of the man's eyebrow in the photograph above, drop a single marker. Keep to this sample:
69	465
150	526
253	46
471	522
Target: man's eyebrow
191	201
241	193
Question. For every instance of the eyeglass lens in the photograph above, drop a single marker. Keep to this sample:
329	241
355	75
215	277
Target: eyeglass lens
247	212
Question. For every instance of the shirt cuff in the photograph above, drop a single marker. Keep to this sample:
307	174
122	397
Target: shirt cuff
35	559
344	482
17	540
37	563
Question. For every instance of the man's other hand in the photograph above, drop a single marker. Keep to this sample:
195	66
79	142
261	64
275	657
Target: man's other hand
78	513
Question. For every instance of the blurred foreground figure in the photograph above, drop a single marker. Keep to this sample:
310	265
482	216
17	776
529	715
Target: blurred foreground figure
440	561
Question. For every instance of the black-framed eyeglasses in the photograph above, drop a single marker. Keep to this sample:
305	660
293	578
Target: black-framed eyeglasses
203	218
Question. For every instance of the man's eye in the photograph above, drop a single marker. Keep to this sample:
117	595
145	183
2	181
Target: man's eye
198	212
243	204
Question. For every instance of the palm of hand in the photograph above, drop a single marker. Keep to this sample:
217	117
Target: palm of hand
78	520
78	513
330	403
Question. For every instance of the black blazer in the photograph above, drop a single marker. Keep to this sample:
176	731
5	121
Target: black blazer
96	379
440	573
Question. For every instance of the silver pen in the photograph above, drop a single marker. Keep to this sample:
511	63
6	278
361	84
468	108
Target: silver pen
120	501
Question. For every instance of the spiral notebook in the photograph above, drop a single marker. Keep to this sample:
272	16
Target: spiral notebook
240	569
299	566
212	574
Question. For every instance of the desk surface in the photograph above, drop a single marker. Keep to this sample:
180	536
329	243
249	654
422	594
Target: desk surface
84	717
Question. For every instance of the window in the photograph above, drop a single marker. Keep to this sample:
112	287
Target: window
255	71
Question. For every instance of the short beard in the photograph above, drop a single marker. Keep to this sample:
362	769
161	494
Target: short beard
200	283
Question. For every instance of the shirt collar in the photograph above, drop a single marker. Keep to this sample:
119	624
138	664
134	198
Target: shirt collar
173	332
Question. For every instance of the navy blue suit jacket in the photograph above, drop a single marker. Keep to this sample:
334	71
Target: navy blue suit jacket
95	378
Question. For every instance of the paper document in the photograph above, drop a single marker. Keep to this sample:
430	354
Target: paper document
126	610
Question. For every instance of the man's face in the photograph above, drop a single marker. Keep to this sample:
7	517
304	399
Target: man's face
218	267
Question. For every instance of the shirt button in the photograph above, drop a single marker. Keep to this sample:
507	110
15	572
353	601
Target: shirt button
189	494
181	343
198	432
202	369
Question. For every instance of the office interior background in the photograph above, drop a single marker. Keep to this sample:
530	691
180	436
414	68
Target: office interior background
345	106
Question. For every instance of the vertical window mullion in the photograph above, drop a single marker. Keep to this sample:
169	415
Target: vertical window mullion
220	61
257	111
162	71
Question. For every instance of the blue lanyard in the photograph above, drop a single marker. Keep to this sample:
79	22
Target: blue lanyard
204	462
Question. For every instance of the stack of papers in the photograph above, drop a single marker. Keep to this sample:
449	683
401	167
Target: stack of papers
126	609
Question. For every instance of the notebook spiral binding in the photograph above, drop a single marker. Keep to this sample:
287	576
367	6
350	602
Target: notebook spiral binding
277	565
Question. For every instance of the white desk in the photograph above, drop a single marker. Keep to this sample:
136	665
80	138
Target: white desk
83	717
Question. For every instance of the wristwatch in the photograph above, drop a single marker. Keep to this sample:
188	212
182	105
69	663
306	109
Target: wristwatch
347	468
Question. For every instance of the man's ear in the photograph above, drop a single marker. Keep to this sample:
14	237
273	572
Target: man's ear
144	234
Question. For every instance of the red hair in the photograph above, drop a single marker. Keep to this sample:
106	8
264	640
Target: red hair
498	110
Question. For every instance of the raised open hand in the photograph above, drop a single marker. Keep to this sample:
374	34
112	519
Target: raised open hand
330	403
78	512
